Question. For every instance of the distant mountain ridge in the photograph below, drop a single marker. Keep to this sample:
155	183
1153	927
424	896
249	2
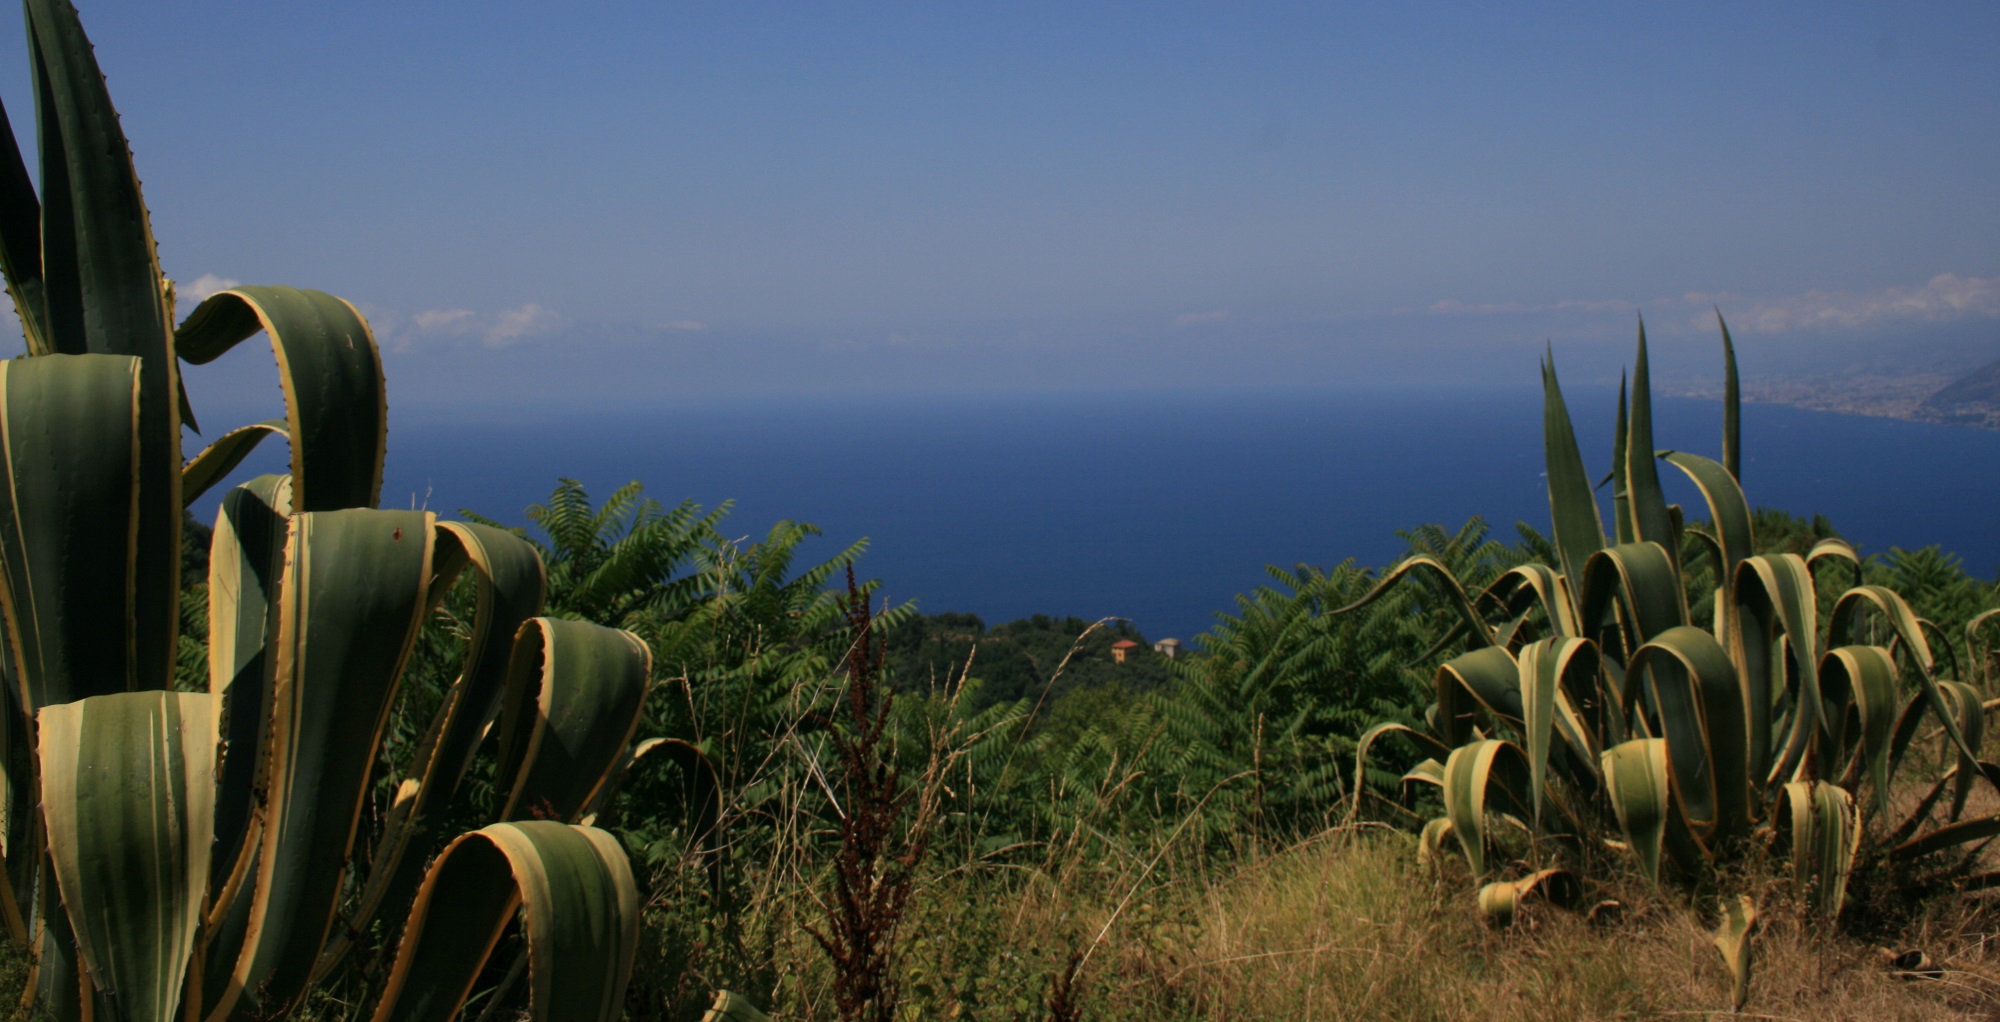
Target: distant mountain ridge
1970	400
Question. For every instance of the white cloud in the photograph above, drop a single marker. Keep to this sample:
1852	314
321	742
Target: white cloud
516	324
1194	318
432	321
194	292
1944	298
1454	307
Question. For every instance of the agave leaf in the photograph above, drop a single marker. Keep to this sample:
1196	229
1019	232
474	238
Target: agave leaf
1490	677
1844	622
1726	507
580	914
510	587
1431	843
1366	743
1833	549
1980	655
352	599
730	1007
1732	938
1430	772
1732	407
1693	687
246	559
574	691
127	789
1777	613
221	457
1820	821
700	791
1637	582
1552	593
1867	674
1979	828
1545	667
68	520
1579	532
103	293
1501	900
1964	704
1651	521
1471	775
1454	590
1621	500
21	239
1636	778
336	414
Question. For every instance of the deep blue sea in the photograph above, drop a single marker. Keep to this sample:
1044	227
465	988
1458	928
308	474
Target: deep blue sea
1161	507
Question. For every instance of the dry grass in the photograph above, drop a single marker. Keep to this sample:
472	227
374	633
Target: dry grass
1347	926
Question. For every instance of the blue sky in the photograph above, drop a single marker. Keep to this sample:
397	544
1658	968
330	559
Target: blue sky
566	205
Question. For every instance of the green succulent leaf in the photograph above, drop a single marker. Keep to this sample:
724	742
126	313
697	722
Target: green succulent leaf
579	911
336	412
352	598
127	790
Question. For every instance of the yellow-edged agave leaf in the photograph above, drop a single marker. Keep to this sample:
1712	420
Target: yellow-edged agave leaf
580	917
1980	651
1963	702
221	457
1951	835
1732	938
1777	614
103	293
1501	900
1845	622
1548	667
1431	843
1726	506
1819	821
510	585
1454	590
1621	504
1367	742
1732	406
1636	584
1693	687
1550	591
1635	778
1473	773
21	239
1651	521
1845	625
1486	678
574	692
336	412
1833	549
245	561
68	521
1429	772
1866	676
128	793
1579	531
700	790
729	1007
352	598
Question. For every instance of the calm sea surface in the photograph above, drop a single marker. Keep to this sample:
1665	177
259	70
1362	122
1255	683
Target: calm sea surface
1159	508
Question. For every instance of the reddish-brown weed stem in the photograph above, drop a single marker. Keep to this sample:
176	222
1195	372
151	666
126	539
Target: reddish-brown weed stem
874	871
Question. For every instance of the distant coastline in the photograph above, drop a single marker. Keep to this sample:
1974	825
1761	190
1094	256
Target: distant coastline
1912	396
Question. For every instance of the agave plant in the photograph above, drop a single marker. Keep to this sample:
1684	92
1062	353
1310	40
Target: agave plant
178	854
1593	712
